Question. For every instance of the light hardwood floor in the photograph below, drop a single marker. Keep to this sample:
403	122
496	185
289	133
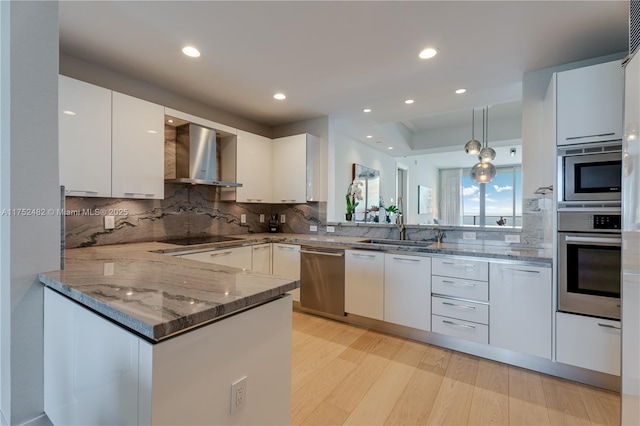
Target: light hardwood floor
349	375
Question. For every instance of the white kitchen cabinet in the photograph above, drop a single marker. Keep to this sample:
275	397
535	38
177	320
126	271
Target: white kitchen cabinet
236	257
296	170
364	283
254	168
521	308
285	261
460	291
261	258
590	103
84	117
587	342
137	148
407	290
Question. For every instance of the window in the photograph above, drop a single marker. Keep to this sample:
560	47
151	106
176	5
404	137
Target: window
498	203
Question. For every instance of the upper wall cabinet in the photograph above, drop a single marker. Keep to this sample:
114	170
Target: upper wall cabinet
137	148
110	144
254	168
296	170
590	103
84	116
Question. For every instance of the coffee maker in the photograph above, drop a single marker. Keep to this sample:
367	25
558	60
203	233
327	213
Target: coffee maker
274	223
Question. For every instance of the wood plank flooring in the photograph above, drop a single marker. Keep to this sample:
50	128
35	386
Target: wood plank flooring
346	375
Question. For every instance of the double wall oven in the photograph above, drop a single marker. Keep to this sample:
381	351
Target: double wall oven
589	229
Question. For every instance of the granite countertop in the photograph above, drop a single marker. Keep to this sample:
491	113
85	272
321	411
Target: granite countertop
479	249
158	296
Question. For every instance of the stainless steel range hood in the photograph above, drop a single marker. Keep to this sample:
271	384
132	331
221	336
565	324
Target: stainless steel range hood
196	162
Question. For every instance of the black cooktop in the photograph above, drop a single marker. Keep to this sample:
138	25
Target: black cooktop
205	239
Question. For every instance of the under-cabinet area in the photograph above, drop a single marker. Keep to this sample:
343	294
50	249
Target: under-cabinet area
492	307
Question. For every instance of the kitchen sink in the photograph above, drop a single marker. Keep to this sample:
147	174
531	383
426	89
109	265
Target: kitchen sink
407	243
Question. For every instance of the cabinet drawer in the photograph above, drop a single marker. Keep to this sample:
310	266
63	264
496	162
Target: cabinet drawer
460	309
456	287
461	268
587	342
458	328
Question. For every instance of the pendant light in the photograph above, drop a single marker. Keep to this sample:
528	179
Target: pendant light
486	154
473	146
484	171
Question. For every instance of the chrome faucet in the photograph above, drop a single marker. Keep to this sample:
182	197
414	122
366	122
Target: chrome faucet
440	234
400	220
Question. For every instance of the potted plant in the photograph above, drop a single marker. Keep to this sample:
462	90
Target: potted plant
389	210
354	194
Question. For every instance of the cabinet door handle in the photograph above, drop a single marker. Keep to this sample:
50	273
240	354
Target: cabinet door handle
408	260
220	253
459	306
363	255
69	191
608	326
288	201
286	247
589	136
323	253
260	247
456	324
254	199
134	194
527	271
458	284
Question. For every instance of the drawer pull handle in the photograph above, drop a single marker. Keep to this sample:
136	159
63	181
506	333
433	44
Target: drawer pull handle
467	266
363	255
608	326
408	260
458	324
137	194
527	271
254	199
286	248
220	254
260	247
288	201
69	191
459	306
458	284
571	138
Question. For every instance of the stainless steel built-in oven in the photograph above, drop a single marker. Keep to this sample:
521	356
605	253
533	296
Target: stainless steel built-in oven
590	175
589	255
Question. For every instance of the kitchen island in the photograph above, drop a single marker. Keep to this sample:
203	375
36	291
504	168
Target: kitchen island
135	337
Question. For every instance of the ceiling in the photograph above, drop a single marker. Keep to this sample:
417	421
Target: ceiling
336	58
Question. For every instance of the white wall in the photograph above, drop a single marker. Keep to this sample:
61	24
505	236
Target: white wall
348	151
421	171
29	244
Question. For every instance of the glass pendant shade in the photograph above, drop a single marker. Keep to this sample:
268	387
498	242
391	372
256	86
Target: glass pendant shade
472	147
487	155
483	172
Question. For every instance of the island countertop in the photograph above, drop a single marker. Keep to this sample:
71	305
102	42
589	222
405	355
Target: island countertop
155	295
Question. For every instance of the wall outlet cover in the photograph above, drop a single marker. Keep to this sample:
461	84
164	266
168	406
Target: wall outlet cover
243	218
261	217
468	235
313	228
511	238
109	222
282	218
331	229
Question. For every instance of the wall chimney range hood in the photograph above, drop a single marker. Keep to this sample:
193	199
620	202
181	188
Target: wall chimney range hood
196	162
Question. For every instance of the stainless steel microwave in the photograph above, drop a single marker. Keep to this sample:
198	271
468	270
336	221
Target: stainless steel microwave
590	175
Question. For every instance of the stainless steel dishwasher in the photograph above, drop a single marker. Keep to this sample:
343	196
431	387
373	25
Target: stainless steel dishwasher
322	279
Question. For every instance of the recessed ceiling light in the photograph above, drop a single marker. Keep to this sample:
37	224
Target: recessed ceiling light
279	96
428	53
191	51
390	147
409	101
460	91
169	121
366	110
369	136
68	112
153	132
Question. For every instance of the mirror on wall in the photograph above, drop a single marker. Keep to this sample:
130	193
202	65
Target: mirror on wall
367	209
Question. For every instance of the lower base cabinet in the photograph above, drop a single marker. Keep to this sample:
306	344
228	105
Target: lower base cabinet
587	342
407	290
458	328
364	283
285	261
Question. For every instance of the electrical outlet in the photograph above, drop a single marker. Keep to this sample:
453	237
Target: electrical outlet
331	229
468	235
511	238
281	218
109	268
238	394
313	228
109	222
261	217
243	218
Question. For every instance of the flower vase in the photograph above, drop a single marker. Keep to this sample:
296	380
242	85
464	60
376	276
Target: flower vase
348	217
387	218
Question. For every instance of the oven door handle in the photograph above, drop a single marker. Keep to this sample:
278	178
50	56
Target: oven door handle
597	240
